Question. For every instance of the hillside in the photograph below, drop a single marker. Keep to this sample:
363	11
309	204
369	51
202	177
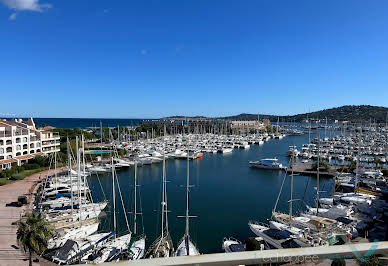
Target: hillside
354	113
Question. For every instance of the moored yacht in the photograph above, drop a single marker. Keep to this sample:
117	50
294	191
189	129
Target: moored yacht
267	164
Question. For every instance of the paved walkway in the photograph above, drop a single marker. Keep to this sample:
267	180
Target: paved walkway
10	254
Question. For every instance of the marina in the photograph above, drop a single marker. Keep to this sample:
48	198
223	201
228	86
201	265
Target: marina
194	133
234	197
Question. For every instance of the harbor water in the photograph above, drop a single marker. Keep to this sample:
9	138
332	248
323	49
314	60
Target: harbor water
227	193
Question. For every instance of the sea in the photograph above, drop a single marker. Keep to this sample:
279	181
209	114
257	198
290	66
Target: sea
226	194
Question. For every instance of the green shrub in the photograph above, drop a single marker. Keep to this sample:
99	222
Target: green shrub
371	261
4	181
17	177
2	174
338	262
8	172
322	166
30	166
18	169
40	160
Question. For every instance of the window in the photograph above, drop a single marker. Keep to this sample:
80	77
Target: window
9	149
24	146
38	144
1	150
18	147
32	151
25	139
9	142
18	140
31	145
1	142
18	154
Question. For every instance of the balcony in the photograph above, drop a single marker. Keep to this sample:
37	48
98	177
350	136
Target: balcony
20	132
50	143
5	134
53	136
50	150
34	138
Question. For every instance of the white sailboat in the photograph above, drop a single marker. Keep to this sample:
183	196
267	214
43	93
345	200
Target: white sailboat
186	246
113	249
162	246
82	230
138	247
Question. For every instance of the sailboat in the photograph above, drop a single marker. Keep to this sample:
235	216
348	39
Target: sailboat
113	249
162	246
186	246
138	247
83	228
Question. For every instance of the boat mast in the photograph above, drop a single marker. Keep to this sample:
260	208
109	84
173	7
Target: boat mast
114	199
292	184
101	133
79	178
187	195
83	164
71	177
319	142
165	199
55	164
325	127
163	185
134	211
357	164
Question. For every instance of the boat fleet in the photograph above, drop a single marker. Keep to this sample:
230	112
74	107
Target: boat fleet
67	203
356	207
151	151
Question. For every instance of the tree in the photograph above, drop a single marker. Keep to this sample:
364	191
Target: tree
33	233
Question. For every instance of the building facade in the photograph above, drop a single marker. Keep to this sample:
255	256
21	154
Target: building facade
21	140
247	126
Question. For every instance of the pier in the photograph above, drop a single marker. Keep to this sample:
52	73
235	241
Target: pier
306	169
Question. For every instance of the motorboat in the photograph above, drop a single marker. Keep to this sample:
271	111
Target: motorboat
272	164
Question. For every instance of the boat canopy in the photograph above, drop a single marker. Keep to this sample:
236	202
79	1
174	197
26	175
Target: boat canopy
277	234
237	247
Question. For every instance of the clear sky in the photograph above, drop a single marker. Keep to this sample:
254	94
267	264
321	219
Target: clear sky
145	59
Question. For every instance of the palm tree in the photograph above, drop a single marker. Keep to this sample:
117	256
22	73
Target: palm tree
33	233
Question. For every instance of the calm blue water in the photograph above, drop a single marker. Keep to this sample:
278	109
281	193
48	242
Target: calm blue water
227	193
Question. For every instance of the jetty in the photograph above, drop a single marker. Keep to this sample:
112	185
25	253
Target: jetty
306	169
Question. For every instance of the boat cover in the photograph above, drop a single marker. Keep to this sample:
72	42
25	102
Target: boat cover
237	247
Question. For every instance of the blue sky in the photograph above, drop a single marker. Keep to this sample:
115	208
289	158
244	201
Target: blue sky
145	59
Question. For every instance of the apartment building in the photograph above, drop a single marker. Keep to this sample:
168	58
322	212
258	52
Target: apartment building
20	141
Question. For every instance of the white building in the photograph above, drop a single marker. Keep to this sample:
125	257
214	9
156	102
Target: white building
20	141
245	126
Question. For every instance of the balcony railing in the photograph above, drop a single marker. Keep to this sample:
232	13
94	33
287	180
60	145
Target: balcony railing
5	134
51	143
293	256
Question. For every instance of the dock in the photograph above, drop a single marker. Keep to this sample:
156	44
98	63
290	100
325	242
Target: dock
306	169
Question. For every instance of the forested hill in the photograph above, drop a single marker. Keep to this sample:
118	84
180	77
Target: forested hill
354	113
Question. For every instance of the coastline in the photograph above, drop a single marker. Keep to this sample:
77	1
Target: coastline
10	253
